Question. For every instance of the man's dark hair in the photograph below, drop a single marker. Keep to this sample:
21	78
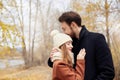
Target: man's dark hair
70	17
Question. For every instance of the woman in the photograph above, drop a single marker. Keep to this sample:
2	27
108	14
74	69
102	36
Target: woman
63	59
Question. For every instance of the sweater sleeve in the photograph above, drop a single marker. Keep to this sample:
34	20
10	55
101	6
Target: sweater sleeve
61	71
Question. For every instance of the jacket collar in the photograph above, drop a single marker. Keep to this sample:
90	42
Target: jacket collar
83	32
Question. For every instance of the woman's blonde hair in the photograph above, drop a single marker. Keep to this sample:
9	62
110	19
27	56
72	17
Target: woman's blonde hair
66	56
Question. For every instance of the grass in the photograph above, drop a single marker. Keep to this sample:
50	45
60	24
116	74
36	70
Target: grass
34	73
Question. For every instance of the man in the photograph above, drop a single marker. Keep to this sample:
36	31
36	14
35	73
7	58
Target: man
99	64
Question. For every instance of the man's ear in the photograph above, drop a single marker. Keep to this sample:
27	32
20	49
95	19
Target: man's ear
73	25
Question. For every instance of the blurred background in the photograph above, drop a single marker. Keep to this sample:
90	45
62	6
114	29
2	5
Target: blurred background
25	25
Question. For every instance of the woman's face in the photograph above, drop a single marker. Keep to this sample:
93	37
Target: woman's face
69	46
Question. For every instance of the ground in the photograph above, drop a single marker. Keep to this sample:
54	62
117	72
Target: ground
34	73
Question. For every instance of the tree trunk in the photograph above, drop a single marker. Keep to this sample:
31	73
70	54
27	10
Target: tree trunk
107	24
29	52
33	40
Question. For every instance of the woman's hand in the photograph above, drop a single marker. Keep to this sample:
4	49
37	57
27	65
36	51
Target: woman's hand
81	54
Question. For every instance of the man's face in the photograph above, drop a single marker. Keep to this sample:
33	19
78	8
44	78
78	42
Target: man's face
67	29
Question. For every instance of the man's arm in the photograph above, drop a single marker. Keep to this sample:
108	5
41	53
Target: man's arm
54	50
50	64
54	56
104	60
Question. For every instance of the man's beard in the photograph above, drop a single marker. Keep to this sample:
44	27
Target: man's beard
72	35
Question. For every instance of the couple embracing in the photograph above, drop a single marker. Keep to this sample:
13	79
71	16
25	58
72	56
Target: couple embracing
79	54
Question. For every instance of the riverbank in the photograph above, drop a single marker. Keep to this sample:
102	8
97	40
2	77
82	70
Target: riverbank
11	62
34	73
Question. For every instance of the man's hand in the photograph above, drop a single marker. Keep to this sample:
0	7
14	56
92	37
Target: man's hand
55	54
54	50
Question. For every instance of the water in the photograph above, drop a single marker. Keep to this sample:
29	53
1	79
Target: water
2	65
10	63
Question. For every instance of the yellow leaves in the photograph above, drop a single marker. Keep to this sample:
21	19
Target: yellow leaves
2	25
89	21
86	18
77	6
6	50
7	26
10	35
12	3
22	44
1	5
91	7
106	5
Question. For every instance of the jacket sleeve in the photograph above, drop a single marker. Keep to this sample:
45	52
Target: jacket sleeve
80	68
50	64
61	71
103	60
